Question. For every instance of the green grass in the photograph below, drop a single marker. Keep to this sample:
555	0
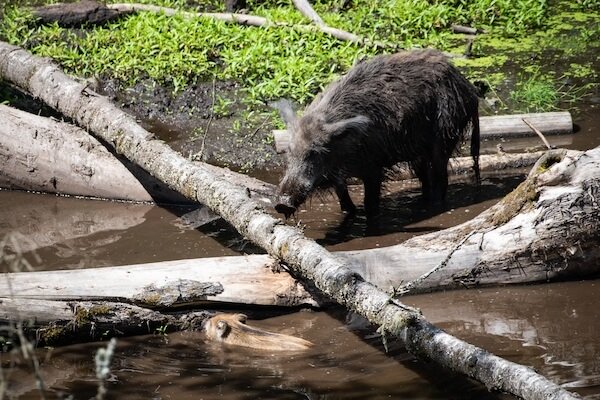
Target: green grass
282	61
536	93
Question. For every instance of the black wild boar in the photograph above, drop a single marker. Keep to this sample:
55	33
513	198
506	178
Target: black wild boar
412	106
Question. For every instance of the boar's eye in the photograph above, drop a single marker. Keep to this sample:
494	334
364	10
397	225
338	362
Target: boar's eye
222	328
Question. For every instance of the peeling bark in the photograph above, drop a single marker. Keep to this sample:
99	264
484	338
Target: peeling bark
304	257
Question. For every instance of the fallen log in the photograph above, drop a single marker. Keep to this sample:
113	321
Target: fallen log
57	322
304	257
44	155
197	282
550	123
495	248
76	14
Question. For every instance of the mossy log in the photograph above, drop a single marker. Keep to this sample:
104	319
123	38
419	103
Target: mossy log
61	322
304	257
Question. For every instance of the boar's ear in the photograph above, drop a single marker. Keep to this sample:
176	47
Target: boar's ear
222	328
360	122
285	110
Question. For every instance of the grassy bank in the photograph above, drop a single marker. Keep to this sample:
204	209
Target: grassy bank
535	55
285	62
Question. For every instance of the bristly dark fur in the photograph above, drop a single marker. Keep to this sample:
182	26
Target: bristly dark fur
413	106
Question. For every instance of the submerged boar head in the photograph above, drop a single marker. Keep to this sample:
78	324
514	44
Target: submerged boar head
318	151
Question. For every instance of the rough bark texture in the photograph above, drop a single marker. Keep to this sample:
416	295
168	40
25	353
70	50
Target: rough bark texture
61	322
76	14
45	155
164	284
304	256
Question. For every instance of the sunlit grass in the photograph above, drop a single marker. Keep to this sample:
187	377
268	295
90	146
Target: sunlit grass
280	61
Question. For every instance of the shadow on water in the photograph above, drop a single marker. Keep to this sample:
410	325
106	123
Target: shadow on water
403	211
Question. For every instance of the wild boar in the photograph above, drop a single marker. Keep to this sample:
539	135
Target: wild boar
232	329
412	106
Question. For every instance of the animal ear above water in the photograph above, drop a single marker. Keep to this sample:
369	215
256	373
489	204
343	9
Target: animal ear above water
359	122
242	318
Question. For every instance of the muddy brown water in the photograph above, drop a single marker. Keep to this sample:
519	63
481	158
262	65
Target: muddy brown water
552	328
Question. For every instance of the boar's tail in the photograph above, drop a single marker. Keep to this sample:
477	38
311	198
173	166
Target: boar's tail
475	147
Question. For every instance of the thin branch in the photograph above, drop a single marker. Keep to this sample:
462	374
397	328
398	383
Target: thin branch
306	9
539	133
245	19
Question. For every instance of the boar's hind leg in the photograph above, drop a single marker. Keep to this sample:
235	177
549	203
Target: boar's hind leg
372	184
345	201
433	175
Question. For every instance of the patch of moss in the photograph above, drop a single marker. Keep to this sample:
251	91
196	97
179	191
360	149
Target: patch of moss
84	316
151	299
495	61
51	334
523	196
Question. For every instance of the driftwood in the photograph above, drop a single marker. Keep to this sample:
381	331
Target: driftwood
305	258
550	123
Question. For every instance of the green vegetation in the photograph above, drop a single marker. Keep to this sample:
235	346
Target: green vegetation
536	93
283	61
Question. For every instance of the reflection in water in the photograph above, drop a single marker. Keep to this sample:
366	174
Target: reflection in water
183	366
552	327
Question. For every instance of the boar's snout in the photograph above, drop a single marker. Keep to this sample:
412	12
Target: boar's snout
285	206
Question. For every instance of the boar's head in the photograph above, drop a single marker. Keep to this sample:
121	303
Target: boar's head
318	153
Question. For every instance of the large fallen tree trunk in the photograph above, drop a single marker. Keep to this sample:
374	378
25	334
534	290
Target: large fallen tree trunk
522	239
304	257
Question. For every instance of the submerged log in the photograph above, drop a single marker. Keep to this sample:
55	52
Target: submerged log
550	123
305	258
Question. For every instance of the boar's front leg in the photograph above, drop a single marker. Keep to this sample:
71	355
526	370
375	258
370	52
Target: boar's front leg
372	184
345	201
